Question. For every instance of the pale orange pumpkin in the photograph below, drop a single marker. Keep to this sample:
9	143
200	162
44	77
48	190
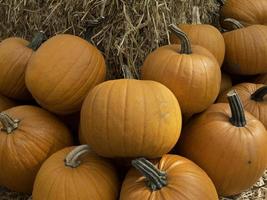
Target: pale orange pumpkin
246	49
190	72
76	173
229	144
130	118
172	178
204	35
29	135
15	54
254	98
62	71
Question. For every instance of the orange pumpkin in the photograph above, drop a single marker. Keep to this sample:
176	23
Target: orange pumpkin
6	103
253	97
15	54
76	173
248	12
229	144
130	118
197	34
226	82
246	55
190	72
173	177
29	135
62	71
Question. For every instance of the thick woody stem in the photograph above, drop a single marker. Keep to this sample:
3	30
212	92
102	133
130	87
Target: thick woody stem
234	23
259	94
72	159
8	124
37	40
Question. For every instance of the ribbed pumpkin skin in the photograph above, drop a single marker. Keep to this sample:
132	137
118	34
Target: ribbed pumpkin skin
130	118
248	12
23	151
194	79
245	90
94	179
62	71
197	33
6	103
246	55
226	82
233	157
14	57
185	181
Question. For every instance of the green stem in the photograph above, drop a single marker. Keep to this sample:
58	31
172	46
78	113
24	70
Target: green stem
185	42
156	179
37	40
235	24
72	159
259	94
9	124
238	114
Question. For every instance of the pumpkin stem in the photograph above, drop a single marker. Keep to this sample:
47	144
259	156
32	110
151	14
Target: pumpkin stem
72	159
235	24
127	73
196	15
185	42
8	124
259	94
156	179
37	40
238	115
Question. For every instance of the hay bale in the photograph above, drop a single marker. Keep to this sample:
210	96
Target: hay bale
130	31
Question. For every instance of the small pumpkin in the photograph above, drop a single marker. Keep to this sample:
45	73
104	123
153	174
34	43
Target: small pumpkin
248	12
229	144
130	118
254	98
173	177
62	71
29	135
226	82
76	173
197	34
246	55
15	54
190	72
6	103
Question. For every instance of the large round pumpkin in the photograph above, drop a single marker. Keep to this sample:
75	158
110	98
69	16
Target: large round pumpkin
248	12
6	103
246	49
76	173
173	177
204	35
190	72
254	98
15	54
229	144
28	136
130	118
62	71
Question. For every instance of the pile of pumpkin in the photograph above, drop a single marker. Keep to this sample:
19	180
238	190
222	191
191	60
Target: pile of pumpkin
135	124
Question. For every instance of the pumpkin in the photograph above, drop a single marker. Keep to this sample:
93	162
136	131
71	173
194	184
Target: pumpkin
226	82
229	144
62	71
6	103
246	55
248	12
190	72
173	177
29	135
130	118
15	54
76	173
197	34
253	97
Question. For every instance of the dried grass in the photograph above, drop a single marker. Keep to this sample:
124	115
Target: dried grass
132	28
